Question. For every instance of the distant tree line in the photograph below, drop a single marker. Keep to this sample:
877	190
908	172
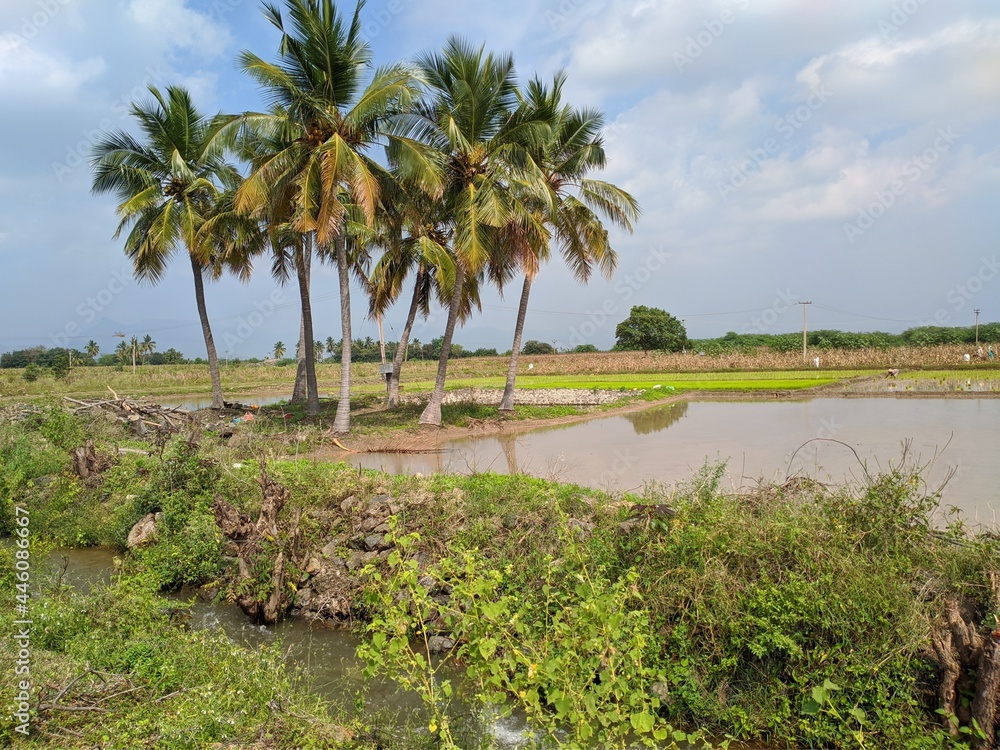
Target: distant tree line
848	340
368	350
59	359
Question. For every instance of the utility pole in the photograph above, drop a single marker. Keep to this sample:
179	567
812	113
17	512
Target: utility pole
381	338
976	311
805	357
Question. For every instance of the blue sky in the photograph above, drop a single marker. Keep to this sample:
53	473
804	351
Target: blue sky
782	150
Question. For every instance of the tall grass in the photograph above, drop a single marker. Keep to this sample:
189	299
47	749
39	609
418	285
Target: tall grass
418	375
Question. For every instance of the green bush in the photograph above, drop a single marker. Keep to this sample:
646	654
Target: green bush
127	651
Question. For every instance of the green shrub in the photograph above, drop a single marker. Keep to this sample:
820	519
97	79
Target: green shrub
125	650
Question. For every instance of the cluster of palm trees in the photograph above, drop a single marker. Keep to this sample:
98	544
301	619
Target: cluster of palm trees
130	351
444	172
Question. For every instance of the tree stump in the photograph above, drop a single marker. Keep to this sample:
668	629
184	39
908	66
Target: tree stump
966	657
253	540
86	461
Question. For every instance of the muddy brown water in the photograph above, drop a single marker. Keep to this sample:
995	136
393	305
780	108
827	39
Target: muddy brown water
326	657
194	403
833	440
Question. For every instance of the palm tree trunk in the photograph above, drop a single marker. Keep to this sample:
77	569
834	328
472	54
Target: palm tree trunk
508	443
507	402
404	340
300	393
342	422
432	412
206	330
302	271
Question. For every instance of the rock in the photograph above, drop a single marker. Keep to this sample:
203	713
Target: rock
374	542
142	532
348	503
360	559
370	523
382	528
329	551
661	690
428	583
440	643
303	597
313	566
627	527
580	529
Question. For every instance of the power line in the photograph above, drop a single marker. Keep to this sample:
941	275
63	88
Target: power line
863	315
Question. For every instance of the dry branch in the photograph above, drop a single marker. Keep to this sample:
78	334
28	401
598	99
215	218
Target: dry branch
138	414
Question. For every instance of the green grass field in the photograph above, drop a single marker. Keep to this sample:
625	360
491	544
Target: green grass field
562	371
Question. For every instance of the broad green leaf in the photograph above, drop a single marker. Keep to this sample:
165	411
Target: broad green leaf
642	722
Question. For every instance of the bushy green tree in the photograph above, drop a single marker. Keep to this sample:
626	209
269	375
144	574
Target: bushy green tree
537	347
649	328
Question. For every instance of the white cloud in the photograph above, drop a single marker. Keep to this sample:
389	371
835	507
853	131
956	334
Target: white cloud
183	27
951	70
24	68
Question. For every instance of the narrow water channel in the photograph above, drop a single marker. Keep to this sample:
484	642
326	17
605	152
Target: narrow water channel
326	657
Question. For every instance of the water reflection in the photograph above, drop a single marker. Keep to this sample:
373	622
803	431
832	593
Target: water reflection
832	440
194	403
655	420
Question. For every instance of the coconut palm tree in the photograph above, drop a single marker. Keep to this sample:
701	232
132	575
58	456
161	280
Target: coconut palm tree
322	124
569	213
146	347
167	184
413	238
123	352
279	350
92	349
473	119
